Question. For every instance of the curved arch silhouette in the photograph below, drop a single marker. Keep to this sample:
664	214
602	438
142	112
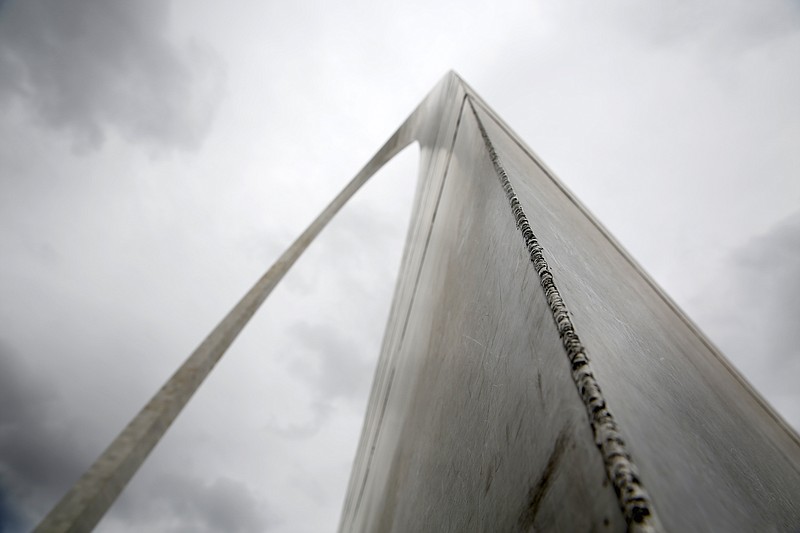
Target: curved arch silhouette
87	501
473	421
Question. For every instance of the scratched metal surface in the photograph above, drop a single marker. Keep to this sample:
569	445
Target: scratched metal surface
474	421
484	412
482	428
711	456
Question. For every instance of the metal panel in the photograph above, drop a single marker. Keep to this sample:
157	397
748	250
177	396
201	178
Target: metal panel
486	413
486	416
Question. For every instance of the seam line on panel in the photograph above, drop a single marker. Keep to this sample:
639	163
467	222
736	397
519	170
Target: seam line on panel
633	499
668	301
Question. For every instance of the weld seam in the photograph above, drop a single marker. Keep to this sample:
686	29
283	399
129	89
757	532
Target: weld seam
622	473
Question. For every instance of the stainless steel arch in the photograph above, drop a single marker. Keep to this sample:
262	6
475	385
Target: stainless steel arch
87	501
485	413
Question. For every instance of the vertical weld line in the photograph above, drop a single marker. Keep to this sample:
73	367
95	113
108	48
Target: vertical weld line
672	305
622	473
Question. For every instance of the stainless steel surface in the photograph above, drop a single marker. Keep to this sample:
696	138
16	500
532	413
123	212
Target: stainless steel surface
475	421
710	454
484	413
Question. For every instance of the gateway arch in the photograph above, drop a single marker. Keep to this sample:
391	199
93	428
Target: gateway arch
532	376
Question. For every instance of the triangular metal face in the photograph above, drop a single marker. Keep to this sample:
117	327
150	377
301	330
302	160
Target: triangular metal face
486	413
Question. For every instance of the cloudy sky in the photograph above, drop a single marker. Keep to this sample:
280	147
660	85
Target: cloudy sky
157	156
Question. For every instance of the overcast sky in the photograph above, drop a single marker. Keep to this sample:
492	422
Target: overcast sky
157	156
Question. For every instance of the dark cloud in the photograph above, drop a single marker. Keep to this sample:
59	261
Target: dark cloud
104	281
93	66
10	520
39	458
770	273
756	312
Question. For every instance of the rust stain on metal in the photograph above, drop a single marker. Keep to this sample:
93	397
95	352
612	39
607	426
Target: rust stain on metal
539	490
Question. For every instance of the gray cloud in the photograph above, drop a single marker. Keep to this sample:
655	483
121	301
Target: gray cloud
716	26
39	458
336	368
658	116
332	364
9	519
89	67
755	312
176	503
